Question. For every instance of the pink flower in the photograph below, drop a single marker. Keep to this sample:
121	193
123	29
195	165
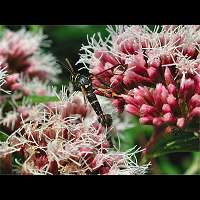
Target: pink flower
21	52
154	75
66	138
29	71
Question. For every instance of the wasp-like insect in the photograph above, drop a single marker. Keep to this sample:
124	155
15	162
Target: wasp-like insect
84	83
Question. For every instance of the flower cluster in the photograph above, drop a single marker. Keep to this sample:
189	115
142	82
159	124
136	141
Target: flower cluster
154	75
29	72
21	53
66	138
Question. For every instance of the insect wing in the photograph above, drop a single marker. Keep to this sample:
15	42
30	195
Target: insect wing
117	70
84	95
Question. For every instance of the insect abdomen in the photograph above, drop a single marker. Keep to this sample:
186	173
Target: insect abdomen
94	102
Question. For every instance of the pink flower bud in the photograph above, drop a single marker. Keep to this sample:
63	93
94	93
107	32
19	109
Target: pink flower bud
146	120
141	95
117	83
12	79
140	100
172	89
93	163
53	168
168	76
101	69
166	108
169	118
41	161
82	110
103	78
180	122
194	101
195	112
85	151
171	100
131	78
140	70
104	170
136	92
129	47
158	121
156	62
138	63
119	104
96	83
197	83
187	88
15	86
153	73
106	57
146	93
157	95
148	110
129	99
166	59
164	94
132	109
191	51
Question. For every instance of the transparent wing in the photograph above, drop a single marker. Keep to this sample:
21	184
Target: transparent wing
84	95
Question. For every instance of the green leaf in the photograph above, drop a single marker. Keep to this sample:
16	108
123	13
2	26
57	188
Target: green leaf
41	99
3	136
175	143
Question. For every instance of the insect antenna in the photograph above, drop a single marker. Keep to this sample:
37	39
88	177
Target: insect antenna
113	67
68	67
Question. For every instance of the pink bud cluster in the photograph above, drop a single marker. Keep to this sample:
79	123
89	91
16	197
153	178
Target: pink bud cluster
154	75
61	139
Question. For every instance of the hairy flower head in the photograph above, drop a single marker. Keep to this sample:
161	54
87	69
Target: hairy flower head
152	74
58	141
22	52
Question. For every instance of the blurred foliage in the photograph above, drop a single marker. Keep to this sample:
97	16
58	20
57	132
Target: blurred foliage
136	135
40	99
172	143
66	41
3	136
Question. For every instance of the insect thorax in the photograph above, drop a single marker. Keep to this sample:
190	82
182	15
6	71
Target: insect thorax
83	80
